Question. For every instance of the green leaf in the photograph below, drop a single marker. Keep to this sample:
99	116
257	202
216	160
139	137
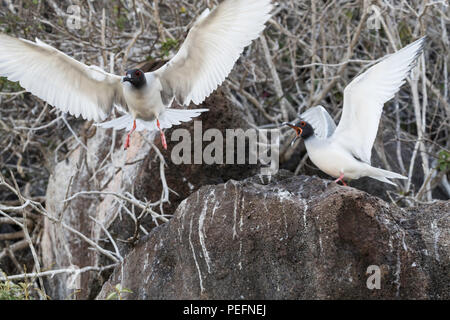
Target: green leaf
112	296
443	160
167	46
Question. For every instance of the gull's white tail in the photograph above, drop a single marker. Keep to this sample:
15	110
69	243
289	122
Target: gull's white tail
167	119
383	175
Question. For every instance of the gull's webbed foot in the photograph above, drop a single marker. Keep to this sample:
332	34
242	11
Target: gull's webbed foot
163	137
341	178
127	141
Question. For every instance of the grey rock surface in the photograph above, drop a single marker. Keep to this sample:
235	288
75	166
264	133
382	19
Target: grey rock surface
290	238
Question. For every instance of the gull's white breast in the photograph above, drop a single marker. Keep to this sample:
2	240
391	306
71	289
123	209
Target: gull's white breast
144	103
334	159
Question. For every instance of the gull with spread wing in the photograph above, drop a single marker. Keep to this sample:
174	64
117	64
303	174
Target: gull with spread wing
207	56
345	150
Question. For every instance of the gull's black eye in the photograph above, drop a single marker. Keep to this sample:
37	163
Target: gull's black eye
302	124
137	73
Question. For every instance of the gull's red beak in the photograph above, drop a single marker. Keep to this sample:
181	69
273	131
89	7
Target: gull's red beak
298	131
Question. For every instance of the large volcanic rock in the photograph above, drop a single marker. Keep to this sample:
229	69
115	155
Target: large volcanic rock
292	238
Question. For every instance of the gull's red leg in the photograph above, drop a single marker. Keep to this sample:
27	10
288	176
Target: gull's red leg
341	177
127	142
163	137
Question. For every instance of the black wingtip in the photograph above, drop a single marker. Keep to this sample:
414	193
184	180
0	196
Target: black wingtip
422	43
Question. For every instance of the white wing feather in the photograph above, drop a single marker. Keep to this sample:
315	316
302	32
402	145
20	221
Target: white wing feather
211	49
320	120
365	96
58	79
167	119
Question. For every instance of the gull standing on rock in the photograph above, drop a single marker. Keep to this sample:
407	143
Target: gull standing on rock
345	150
207	56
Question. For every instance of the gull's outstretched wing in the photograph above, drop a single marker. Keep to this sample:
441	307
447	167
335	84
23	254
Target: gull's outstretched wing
320	120
58	79
211	49
167	119
365	96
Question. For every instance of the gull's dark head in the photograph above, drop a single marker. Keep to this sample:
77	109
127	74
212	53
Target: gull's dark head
302	128
136	77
